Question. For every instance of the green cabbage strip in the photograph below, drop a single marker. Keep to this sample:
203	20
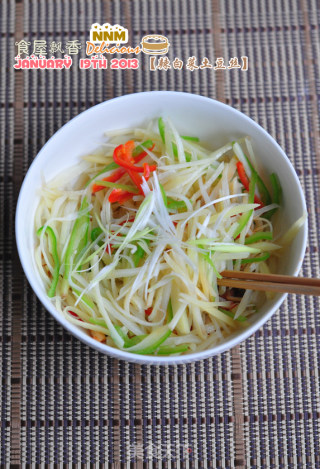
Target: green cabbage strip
56	268
276	192
231	315
262	258
78	240
258	237
265	195
245	217
136	152
169	349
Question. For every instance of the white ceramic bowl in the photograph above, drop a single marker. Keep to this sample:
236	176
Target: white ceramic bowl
213	122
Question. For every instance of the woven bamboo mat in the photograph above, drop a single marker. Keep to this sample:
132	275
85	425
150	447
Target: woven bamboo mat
257	405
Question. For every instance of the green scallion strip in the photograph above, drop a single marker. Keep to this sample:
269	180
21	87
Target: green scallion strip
169	349
265	195
258	237
84	298
169	311
95	233
231	315
106	169
175	204
262	258
115	185
78	240
161	127
138	150
276	192
170	202
53	249
191	139
219	247
175	153
139	253
129	342
252	187
135	340
245	217
188	156
276	188
210	262
99	322
121	333
152	348
164	195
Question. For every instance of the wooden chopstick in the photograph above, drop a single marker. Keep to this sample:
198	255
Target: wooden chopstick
270	282
274	278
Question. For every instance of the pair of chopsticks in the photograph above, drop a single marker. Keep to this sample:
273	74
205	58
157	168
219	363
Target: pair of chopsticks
270	282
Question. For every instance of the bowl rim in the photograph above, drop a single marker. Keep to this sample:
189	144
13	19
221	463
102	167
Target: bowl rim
150	359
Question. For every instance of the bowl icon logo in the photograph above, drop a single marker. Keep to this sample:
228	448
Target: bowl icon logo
155	44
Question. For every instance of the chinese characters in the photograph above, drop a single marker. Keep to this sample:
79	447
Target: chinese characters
192	64
40	47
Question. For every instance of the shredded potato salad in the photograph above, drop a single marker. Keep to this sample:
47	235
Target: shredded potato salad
131	241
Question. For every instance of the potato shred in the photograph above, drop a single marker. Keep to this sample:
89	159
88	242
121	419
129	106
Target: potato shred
131	241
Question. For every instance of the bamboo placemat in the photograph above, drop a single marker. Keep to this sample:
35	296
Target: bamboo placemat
257	405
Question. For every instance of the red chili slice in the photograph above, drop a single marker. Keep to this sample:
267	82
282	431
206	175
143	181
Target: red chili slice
74	315
148	311
122	155
119	195
118	173
246	183
114	177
